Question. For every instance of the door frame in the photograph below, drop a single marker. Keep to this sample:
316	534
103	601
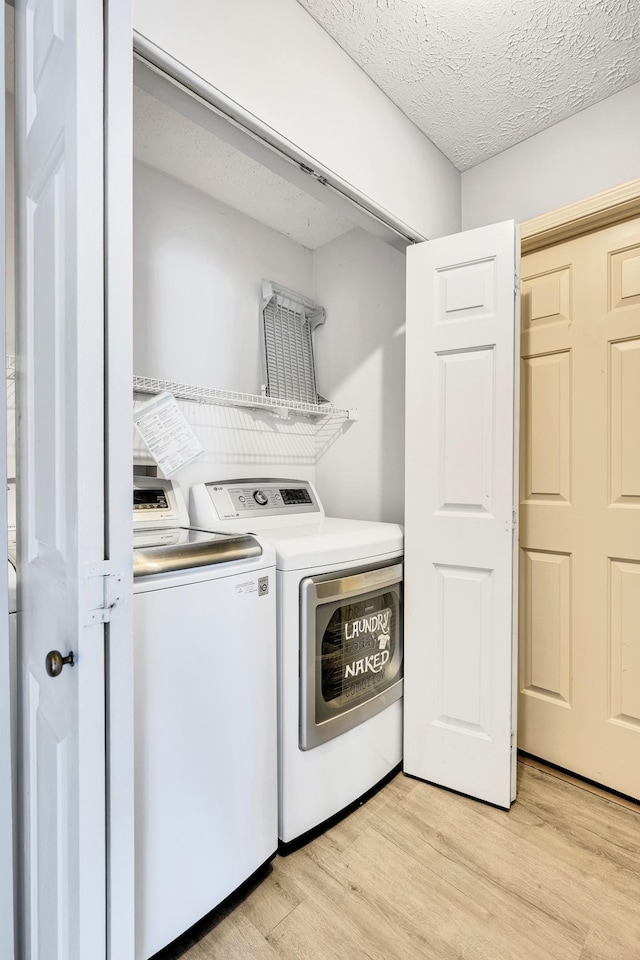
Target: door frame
8	771
601	210
118	356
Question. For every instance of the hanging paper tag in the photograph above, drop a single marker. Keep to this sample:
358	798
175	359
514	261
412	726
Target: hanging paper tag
166	433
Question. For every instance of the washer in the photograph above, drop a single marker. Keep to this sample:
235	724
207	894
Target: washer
204	630
339	643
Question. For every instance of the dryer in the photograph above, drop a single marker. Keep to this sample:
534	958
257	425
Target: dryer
204	633
340	655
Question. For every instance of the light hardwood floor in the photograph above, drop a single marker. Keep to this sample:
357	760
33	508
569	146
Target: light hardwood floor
418	873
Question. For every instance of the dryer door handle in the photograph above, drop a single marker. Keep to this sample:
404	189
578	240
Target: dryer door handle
339	588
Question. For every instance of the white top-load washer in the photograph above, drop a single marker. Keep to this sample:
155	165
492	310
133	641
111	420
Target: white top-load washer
339	643
204	631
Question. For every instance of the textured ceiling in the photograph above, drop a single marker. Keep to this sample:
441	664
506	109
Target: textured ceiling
170	142
477	76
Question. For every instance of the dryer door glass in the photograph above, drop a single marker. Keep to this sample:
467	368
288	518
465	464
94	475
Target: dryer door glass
351	650
358	651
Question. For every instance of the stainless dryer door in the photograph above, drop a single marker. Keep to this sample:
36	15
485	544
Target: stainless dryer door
350	650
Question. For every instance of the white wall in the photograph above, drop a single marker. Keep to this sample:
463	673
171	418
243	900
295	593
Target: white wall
360	362
275	61
579	157
197	271
198	267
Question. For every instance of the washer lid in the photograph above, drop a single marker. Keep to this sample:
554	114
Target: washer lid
166	550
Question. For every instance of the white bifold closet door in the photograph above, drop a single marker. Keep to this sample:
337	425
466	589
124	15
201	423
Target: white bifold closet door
62	571
460	588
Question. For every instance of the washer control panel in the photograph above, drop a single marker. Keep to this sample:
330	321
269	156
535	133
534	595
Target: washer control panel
158	503
258	498
154	498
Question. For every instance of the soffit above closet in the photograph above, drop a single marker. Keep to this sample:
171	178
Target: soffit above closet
177	146
478	76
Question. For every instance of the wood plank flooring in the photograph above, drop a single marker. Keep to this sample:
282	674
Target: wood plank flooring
418	873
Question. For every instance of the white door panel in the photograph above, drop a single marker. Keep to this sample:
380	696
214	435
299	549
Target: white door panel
459	512
59	262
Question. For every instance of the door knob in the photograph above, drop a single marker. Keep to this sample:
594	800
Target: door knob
54	662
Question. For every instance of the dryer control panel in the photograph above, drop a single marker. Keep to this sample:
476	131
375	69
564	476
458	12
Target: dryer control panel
234	499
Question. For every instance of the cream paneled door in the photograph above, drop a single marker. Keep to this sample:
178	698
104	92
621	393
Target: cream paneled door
460	524
580	506
60	262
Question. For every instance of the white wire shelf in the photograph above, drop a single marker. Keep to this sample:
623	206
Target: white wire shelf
232	398
229	398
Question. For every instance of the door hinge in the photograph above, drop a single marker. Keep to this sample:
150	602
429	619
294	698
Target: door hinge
102	590
514	518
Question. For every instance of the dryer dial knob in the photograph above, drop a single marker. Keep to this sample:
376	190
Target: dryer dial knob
260	497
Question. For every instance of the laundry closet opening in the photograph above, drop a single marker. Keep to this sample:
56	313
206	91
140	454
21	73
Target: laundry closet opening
216	212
